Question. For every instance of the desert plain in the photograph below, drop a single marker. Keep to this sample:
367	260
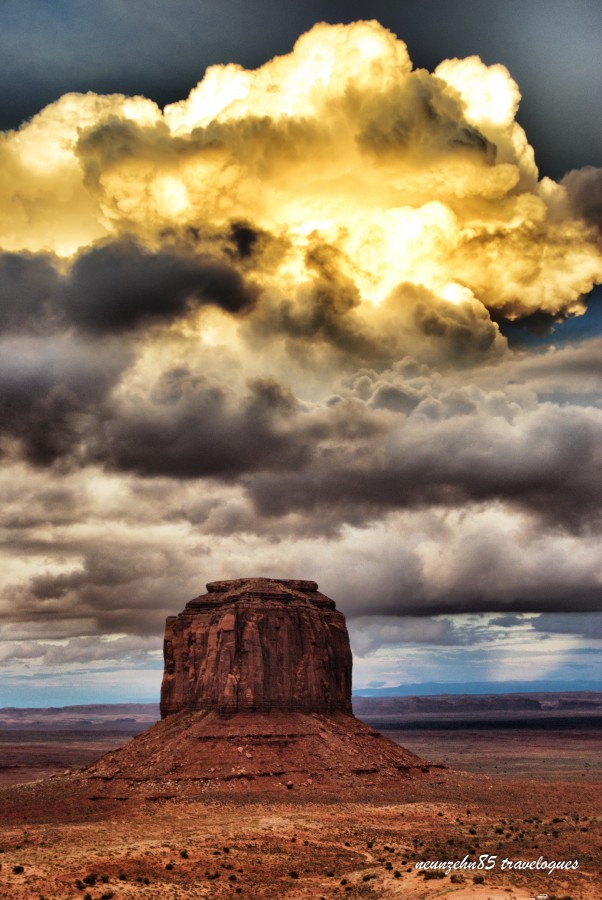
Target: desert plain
506	782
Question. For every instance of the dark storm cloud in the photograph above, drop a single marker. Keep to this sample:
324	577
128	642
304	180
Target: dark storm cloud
481	581
28	289
51	391
68	337
114	288
481	566
190	428
545	461
106	586
370	632
120	286
406	442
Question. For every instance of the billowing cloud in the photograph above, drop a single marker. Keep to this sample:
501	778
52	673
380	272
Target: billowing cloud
584	188
448	444
51	391
412	176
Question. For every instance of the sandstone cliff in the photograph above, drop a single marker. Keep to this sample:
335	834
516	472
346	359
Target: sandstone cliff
257	644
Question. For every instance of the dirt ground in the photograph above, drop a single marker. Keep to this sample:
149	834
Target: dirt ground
57	843
516	753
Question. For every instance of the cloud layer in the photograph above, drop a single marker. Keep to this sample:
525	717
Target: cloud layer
258	332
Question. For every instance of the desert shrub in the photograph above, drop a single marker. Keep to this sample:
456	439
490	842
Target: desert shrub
184	854
18	869
479	879
169	866
428	876
293	874
90	879
457	878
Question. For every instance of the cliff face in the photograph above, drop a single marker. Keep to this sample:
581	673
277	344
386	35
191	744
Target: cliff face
256	699
257	645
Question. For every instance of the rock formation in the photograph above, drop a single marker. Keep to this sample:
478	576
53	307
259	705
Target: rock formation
256	698
260	645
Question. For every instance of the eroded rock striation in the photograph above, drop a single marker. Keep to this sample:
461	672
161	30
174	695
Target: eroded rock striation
257	645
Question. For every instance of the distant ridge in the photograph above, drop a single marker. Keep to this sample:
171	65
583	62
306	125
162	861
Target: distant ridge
363	703
482	687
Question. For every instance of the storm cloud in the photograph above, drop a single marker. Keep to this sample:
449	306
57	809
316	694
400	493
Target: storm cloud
113	289
262	331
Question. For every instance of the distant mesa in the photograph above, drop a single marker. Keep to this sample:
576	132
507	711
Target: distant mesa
257	645
256	698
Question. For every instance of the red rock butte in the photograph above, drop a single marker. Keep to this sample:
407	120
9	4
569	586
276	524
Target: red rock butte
256	698
257	645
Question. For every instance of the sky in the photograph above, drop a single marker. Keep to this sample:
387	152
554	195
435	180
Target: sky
300	291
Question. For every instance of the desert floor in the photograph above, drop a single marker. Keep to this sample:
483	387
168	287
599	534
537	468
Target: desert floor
516	796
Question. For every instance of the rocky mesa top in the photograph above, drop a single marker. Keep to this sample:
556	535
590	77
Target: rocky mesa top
241	589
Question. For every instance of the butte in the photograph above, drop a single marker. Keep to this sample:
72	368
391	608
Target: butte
256	698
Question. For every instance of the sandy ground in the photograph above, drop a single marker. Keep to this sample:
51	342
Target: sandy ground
57	843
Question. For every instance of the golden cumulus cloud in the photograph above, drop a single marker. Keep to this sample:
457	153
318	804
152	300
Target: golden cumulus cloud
409	177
